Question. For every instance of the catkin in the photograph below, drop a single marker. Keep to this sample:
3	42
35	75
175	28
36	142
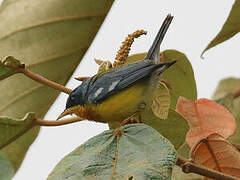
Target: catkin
123	52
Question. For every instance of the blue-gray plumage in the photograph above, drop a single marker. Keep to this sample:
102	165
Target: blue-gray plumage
113	82
96	98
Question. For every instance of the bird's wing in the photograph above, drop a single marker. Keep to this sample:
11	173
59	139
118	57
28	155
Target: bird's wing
154	51
112	82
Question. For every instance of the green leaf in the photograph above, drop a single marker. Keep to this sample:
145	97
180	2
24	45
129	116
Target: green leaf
9	67
230	27
225	95
184	150
140	152
225	87
167	127
11	128
50	37
180	77
7	171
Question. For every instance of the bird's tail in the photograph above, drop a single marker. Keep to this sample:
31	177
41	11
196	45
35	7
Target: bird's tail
154	51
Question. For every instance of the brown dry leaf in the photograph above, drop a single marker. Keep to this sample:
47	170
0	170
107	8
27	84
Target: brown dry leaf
205	117
224	157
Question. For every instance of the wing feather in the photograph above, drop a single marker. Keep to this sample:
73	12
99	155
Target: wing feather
113	82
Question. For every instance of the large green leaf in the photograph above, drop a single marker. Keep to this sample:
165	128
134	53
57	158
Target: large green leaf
167	127
50	37
230	27
140	152
7	171
225	95
180	77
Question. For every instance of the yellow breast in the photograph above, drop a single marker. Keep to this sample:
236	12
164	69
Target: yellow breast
117	107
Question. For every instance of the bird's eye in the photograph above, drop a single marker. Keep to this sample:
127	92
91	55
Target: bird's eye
72	98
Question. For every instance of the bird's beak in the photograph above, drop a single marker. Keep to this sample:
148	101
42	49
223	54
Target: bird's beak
65	113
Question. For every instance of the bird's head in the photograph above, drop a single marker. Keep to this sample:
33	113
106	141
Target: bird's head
75	101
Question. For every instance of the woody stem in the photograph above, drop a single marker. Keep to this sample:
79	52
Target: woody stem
45	81
190	167
41	122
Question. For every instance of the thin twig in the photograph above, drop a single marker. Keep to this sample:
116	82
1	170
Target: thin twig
41	122
189	167
44	81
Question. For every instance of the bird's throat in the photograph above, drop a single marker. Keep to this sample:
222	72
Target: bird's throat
85	112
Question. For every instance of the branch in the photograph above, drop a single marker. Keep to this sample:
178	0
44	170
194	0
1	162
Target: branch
44	81
41	122
189	167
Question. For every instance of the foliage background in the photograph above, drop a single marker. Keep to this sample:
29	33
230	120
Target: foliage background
194	25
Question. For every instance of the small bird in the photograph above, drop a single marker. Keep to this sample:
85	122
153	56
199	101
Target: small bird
120	94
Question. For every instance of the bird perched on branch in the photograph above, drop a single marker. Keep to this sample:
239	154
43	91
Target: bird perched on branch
120	94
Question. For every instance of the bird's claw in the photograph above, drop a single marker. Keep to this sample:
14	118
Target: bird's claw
135	118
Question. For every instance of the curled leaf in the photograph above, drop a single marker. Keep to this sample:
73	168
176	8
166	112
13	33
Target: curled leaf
11	128
120	155
161	101
9	66
217	153
205	117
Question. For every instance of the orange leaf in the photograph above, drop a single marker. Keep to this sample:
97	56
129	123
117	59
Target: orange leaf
205	117
217	153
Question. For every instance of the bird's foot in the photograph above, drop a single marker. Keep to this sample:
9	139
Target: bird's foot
135	118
